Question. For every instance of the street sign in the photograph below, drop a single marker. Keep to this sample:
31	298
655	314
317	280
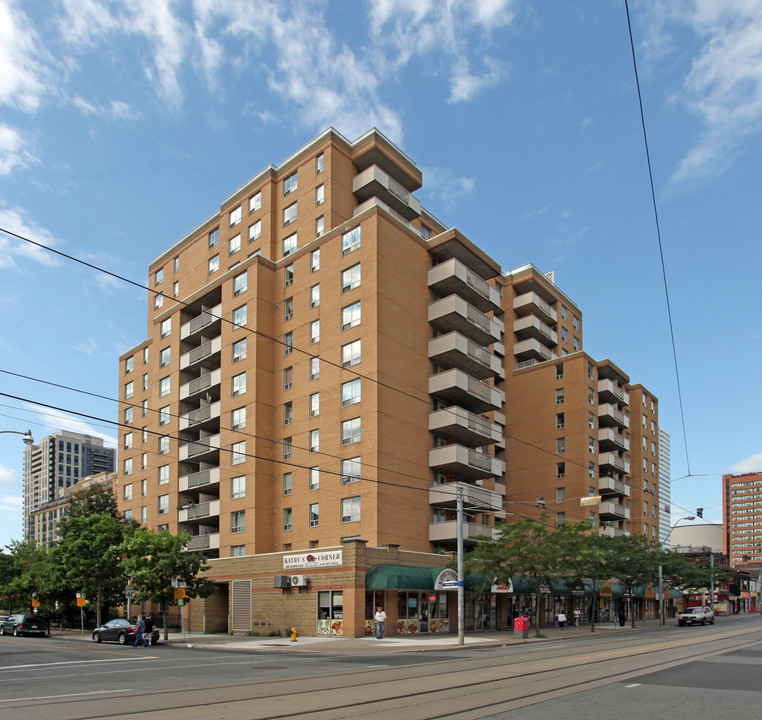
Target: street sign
129	592
81	602
451	584
35	603
181	602
180	593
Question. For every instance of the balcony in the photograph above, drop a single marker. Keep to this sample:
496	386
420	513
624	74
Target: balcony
531	349
612	460
200	450
530	326
458	388
464	427
203	352
611	510
199	511
613	486
199	480
610	392
454	313
200	384
474	497
612	531
374	182
200	416
465	462
447	531
532	304
610	415
203	321
208	541
610	439
457	351
452	277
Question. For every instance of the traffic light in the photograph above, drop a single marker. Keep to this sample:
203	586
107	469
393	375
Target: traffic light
700	512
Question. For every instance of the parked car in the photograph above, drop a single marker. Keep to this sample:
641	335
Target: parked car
23	624
121	631
696	616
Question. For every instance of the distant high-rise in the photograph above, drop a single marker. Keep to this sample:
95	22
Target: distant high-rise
665	489
742	515
56	463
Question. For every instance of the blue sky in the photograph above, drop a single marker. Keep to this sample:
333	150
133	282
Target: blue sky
124	124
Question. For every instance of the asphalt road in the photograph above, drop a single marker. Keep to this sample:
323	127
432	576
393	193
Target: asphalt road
684	672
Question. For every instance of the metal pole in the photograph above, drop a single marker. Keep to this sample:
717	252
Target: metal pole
182	619
461	596
711	588
661	599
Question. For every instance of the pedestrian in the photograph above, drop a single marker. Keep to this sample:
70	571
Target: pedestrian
140	626
148	632
561	619
380	622
576	614
621	617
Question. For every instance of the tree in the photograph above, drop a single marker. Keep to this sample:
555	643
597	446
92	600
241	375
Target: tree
154	560
634	562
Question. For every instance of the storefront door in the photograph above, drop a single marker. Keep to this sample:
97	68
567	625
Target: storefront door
424	615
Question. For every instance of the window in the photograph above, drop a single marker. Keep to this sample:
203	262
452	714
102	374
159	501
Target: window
425	231
560	518
255	202
563	312
238	521
238	418
290	184
128	415
164	386
350	278
314	441
319	163
288	413
350	431
315	260
214	237
235	216
144	487
158	277
560	470
129	390
351	315
591	396
350	241
591	420
560	445
350	470
591	445
288	275
240	283
575	342
315	296
234	244
560	396
239	384
314	332
350	509
288	308
144	408
177	264
128	492
314	514
237	550
653	426
239	350
591	371
319	194
645	464
164	415
238	487
166	327
163	504
319	226
129	364
238	453
288	518
255	231
591	470
314	404
287	483
564	335
128	514
128	441
163	528
560	495
288	343
145	356
289	215
560	421
240	317
351	354
164	445
314	368
314	478
288	378
214	264
163	474
145	381
575	322
165	357
287	448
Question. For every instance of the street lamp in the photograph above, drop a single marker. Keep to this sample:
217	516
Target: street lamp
689	518
28	439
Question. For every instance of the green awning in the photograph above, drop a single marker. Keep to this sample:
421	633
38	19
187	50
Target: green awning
400	577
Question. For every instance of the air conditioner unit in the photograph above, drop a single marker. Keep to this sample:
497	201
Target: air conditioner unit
298	581
281	581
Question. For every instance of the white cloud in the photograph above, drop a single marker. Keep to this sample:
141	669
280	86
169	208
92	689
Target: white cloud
8	481
11	248
115	110
751	464
447	188
57	420
536	212
13	152
465	85
21	72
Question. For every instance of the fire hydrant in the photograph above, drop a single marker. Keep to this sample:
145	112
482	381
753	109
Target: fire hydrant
293	634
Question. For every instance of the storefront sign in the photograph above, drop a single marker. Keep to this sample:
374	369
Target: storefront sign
606	590
502	587
309	560
447	578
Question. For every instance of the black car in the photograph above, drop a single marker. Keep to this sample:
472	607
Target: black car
119	630
23	624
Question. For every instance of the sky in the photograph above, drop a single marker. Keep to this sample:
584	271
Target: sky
125	124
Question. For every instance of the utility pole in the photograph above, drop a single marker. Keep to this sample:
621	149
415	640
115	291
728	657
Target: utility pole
461	594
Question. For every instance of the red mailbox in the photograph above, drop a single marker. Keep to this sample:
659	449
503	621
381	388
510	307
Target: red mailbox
521	625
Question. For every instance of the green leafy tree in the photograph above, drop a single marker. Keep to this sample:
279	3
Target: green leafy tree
634	562
7	573
154	560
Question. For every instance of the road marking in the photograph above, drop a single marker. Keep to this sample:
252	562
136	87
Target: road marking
78	662
376	666
54	697
632	685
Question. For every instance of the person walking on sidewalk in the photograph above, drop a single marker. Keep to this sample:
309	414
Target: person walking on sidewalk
380	622
140	626
562	619
576	614
148	631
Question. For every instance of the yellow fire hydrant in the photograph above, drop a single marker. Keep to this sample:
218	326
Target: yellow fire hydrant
293	634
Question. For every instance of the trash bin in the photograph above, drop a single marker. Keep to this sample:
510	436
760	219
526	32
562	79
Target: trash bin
521	626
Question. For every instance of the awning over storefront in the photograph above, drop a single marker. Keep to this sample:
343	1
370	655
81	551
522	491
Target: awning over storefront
400	577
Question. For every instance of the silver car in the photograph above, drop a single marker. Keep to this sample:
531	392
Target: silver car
696	616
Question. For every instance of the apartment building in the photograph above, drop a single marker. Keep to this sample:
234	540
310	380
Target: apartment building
325	365
742	518
58	462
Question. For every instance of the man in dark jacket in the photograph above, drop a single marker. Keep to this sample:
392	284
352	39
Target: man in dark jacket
148	632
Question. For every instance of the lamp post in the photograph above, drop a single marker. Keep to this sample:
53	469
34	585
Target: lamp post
689	518
28	439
